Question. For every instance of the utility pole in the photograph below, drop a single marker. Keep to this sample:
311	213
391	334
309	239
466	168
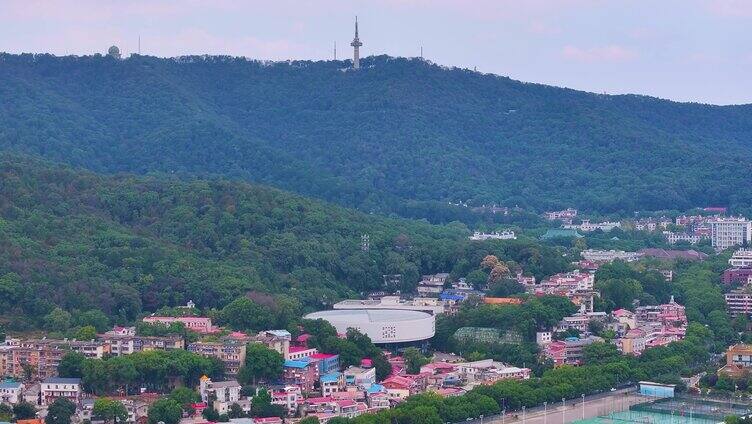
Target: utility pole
563	411
583	406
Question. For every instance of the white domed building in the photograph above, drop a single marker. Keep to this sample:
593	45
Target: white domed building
383	326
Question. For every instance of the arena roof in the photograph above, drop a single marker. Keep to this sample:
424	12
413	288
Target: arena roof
356	316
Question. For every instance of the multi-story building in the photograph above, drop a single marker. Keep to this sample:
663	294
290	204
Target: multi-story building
326	362
670	314
299	352
609	255
587	226
738	361
219	394
360	377
201	325
742	258
566	216
289	396
489	371
332	383
432	285
278	340
737	275
56	387
739	302
120	345
730	232
569	351
11	392
230	351
503	235
674	237
302	373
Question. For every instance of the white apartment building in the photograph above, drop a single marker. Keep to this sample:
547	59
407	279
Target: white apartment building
503	235
610	255
11	393
53	388
729	232
742	258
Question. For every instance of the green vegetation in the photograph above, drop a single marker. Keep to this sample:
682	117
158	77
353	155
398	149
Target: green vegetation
400	135
81	249
60	411
165	410
156	370
261	364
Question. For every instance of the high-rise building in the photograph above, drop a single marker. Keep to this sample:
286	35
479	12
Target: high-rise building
729	232
356	47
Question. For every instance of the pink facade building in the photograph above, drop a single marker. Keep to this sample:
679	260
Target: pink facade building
201	325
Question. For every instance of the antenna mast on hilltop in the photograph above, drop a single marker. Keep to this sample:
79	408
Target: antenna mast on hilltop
421	52
356	47
139	44
335	50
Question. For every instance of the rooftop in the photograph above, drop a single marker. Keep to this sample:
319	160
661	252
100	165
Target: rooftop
356	316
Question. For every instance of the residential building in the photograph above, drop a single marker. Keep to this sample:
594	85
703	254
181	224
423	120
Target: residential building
125	344
488	371
300	352
360	377
670	314
566	216
202	325
399	387
738	361
739	302
569	351
332	383
220	394
432	285
230	351
503	235
742	258
542	338
737	275
609	255
278	340
56	387
587	226
302	373
326	362
11	392
291	397
730	232
674	237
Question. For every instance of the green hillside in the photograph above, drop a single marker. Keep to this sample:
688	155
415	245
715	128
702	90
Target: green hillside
399	135
126	245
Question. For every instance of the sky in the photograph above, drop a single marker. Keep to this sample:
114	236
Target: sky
684	50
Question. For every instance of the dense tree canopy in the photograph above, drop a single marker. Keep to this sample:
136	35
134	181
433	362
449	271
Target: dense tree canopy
399	135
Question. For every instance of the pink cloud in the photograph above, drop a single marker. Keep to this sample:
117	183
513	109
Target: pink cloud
611	53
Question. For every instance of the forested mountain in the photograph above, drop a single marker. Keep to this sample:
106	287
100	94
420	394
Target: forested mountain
124	245
398	135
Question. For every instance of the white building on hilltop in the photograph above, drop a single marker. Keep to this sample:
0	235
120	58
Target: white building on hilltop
729	232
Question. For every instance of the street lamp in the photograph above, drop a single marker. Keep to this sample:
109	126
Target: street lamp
481	418
523	415
583	406
563	411
545	412
503	415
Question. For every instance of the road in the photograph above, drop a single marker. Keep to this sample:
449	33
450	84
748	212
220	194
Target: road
573	410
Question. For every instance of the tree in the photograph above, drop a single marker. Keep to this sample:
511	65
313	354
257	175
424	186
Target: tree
110	411
24	410
57	320
599	353
236	411
165	410
621	292
414	360
489	262
261	363
71	365
261	406
243	314
185	397
309	420
60	411
87	332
